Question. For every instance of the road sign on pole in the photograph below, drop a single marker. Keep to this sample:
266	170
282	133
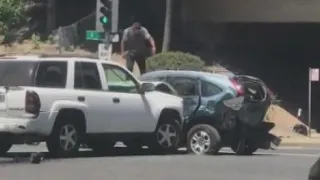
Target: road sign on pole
104	51
313	76
94	35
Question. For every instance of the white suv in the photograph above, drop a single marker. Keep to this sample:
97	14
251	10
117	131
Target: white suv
69	101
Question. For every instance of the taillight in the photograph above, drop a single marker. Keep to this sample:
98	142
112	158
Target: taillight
237	87
33	104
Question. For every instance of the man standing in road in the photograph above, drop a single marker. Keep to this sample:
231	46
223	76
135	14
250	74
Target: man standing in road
135	46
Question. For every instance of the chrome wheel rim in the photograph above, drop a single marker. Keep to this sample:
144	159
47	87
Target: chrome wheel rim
68	137
200	142
166	135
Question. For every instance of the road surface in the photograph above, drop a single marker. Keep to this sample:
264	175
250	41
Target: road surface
287	163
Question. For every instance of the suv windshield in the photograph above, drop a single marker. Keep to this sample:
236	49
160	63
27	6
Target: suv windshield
17	73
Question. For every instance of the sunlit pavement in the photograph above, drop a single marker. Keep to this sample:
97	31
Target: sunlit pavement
286	163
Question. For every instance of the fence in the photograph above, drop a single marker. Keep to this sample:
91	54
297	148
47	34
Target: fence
68	38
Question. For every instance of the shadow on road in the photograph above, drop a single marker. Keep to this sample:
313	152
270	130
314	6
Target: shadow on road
24	157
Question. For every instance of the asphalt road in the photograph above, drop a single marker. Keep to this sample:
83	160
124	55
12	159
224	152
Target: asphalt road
287	163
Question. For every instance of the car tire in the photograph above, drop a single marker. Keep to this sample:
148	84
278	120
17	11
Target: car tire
166	138
65	138
203	139
101	147
248	148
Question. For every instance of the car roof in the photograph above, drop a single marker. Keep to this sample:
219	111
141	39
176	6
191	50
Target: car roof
221	79
185	73
54	58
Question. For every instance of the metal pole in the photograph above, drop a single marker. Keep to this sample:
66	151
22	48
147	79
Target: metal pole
115	16
60	40
309	103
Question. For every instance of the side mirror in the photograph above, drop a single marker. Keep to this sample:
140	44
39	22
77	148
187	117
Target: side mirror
146	86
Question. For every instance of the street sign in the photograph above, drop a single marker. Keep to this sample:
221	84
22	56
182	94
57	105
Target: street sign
105	51
94	35
314	74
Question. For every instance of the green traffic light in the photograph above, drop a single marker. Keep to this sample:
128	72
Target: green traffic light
104	20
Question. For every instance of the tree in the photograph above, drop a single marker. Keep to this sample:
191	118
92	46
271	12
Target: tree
167	26
11	14
51	16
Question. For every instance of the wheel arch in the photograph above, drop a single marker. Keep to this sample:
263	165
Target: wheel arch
73	113
197	121
169	112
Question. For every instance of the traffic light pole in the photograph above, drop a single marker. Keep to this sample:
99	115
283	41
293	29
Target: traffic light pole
114	16
107	25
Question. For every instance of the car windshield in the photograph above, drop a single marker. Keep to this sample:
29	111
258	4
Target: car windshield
17	73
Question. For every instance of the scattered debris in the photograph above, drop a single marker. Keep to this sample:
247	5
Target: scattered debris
36	158
300	129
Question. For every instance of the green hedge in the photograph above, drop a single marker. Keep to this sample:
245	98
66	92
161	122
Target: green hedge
174	61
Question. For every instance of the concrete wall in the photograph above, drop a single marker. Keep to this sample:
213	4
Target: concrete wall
251	10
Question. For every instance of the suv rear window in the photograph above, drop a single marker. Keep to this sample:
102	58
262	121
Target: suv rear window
51	74
17	73
23	73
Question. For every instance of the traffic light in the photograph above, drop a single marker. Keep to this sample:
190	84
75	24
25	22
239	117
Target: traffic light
104	12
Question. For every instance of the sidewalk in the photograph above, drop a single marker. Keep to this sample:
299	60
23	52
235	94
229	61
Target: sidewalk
300	141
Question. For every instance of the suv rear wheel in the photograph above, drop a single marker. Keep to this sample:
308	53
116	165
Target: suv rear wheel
244	147
203	139
64	140
4	147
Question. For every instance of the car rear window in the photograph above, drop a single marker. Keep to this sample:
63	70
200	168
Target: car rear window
17	73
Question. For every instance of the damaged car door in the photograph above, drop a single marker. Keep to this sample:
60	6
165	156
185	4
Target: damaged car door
187	88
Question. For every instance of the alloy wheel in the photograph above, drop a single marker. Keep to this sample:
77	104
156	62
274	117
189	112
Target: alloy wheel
200	142
68	137
166	135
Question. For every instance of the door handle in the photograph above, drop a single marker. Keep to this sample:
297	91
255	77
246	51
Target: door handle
81	98
115	100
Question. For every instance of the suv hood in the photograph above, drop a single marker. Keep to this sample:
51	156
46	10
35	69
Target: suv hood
159	100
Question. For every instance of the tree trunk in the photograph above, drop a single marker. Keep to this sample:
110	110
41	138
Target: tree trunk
167	26
51	16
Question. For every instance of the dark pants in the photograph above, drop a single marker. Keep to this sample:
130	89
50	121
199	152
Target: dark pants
139	58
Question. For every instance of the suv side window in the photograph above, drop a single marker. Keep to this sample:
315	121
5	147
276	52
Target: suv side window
52	74
119	80
184	86
209	89
86	76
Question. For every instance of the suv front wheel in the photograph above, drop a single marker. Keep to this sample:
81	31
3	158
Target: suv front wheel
167	136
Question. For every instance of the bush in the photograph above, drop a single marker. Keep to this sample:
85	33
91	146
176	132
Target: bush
174	61
11	14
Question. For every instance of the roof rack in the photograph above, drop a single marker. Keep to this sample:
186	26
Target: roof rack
91	56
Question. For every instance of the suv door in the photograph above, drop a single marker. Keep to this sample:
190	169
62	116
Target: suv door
256	100
187	88
88	90
130	111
